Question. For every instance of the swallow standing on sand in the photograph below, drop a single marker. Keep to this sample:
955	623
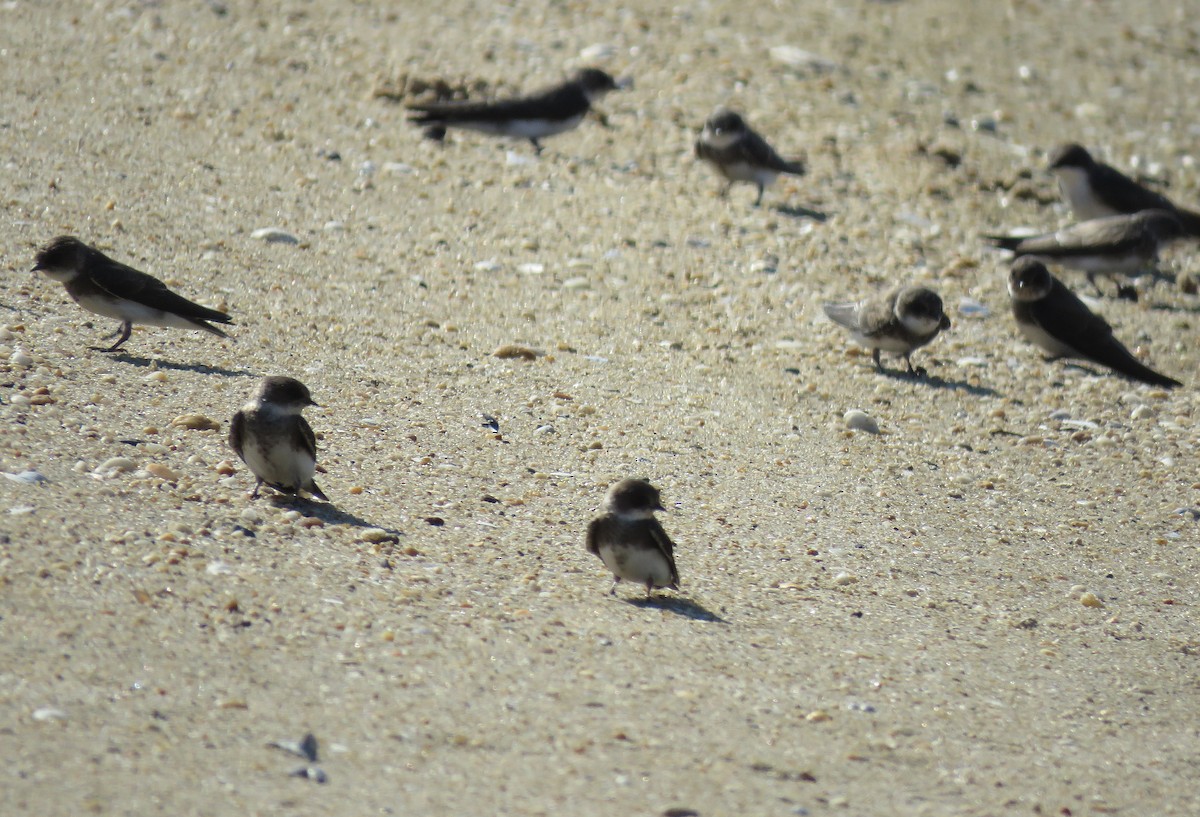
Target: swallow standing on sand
552	111
630	541
274	440
901	321
740	154
109	288
1113	245
1051	316
1094	190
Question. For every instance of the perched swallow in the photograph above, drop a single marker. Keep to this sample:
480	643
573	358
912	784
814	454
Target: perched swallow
1113	245
274	440
1051	316
109	288
554	110
740	154
630	541
1094	190
901	321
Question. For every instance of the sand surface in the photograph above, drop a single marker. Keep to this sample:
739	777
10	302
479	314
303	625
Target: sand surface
868	624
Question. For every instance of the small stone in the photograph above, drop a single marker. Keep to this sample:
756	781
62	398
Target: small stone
162	472
21	358
817	716
49	713
157	377
375	535
1090	600
857	420
843	579
511	350
27	477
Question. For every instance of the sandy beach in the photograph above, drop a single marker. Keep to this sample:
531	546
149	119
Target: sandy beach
988	608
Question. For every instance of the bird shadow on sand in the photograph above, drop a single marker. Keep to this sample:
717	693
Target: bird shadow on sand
328	513
796	211
935	382
679	606
199	368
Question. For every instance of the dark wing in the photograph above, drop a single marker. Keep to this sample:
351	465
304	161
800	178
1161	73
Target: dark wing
665	546
123	281
237	434
560	102
594	534
1126	195
876	316
303	437
1068	319
753	149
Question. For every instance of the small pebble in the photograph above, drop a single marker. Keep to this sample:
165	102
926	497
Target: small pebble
21	358
857	420
195	422
1090	600
162	472
511	350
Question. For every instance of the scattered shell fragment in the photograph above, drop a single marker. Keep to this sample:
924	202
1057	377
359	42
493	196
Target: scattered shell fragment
274	235
49	713
1090	600
114	465
195	422
26	477
857	420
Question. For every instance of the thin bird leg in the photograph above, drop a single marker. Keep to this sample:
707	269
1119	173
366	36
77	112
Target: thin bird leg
257	484
875	357
537	146
758	200
126	330
612	591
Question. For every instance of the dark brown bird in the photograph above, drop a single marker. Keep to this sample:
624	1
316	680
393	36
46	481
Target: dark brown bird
740	154
546	113
1051	316
274	440
630	541
901	321
1094	190
109	288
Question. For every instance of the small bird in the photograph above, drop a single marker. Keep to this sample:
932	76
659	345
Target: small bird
1052	317
1094	190
901	321
274	440
109	288
630	541
740	154
1109	246
546	113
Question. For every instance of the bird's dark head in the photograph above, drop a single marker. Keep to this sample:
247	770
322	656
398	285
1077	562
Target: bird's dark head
1069	155
1029	280
920	309
62	258
597	83
633	498
725	122
285	393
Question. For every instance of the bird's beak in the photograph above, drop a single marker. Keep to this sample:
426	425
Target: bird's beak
945	324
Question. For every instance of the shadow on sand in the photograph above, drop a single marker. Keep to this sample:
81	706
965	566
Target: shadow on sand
796	211
935	382
199	368
679	606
